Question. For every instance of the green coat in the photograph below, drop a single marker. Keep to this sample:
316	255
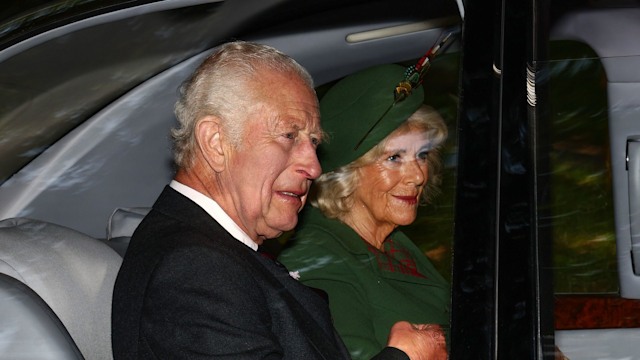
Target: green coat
365	301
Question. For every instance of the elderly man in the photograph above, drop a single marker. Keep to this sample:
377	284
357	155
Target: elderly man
192	284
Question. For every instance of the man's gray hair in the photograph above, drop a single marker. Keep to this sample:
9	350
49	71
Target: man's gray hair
221	87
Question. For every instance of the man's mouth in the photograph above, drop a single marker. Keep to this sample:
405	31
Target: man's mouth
292	194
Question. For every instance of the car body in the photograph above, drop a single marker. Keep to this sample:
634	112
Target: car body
534	227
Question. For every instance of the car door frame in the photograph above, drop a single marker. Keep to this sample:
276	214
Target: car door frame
501	282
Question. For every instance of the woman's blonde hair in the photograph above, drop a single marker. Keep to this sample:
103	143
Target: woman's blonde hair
332	192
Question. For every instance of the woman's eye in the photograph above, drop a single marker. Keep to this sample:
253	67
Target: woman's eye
423	155
290	135
315	141
395	157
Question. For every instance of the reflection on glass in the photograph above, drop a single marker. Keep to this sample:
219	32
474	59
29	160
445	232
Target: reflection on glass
52	87
432	230
581	208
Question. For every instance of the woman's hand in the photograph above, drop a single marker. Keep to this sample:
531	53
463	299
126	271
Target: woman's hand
419	341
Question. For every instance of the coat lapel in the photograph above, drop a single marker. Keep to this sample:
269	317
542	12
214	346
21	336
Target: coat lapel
309	309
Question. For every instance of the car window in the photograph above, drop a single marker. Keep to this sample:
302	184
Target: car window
581	207
583	230
433	229
580	211
43	100
83	128
22	19
585	149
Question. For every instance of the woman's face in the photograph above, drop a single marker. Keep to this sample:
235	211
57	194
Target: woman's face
389	189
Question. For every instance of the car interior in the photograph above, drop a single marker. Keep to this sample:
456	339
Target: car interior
86	150
66	261
60	307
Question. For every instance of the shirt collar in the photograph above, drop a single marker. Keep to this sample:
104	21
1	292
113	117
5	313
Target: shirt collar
216	212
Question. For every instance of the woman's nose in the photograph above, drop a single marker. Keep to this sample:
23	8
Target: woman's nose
417	172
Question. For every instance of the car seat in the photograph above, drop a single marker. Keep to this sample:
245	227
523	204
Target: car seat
122	223
61	302
31	330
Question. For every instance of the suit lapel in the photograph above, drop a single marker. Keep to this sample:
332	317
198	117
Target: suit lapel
309	310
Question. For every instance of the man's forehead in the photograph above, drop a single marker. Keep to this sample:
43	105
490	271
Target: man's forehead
308	124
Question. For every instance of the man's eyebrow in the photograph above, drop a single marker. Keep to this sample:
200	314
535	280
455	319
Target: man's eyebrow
319	134
298	126
283	123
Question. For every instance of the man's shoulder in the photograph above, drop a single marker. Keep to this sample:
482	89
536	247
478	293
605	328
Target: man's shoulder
164	246
176	221
159	235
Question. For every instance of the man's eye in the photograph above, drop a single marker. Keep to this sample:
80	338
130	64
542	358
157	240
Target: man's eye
315	141
290	135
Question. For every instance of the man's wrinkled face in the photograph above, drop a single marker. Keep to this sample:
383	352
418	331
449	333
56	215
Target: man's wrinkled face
270	172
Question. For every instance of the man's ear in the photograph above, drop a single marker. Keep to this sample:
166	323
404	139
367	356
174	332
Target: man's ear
209	140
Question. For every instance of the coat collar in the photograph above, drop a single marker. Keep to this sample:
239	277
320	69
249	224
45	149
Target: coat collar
354	244
349	239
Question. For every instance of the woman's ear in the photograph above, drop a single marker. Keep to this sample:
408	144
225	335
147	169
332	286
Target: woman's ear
209	140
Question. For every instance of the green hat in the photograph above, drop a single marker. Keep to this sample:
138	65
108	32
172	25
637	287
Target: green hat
354	105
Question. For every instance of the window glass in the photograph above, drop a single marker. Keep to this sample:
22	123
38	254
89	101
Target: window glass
433	229
579	168
592	113
49	89
581	208
22	19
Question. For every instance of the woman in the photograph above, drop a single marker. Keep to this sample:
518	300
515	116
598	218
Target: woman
380	162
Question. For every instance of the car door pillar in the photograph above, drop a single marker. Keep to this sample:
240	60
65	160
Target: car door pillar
501	288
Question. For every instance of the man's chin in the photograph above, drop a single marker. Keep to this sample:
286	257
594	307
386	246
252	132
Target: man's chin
277	230
285	228
268	236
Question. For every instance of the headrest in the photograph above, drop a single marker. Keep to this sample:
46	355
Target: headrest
72	272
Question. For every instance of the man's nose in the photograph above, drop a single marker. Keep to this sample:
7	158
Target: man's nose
309	163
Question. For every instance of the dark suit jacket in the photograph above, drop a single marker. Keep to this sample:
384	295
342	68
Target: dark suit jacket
188	290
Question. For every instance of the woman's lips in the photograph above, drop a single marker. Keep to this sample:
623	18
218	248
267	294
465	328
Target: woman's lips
407	199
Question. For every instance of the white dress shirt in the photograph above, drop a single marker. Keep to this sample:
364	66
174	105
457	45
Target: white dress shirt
216	212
